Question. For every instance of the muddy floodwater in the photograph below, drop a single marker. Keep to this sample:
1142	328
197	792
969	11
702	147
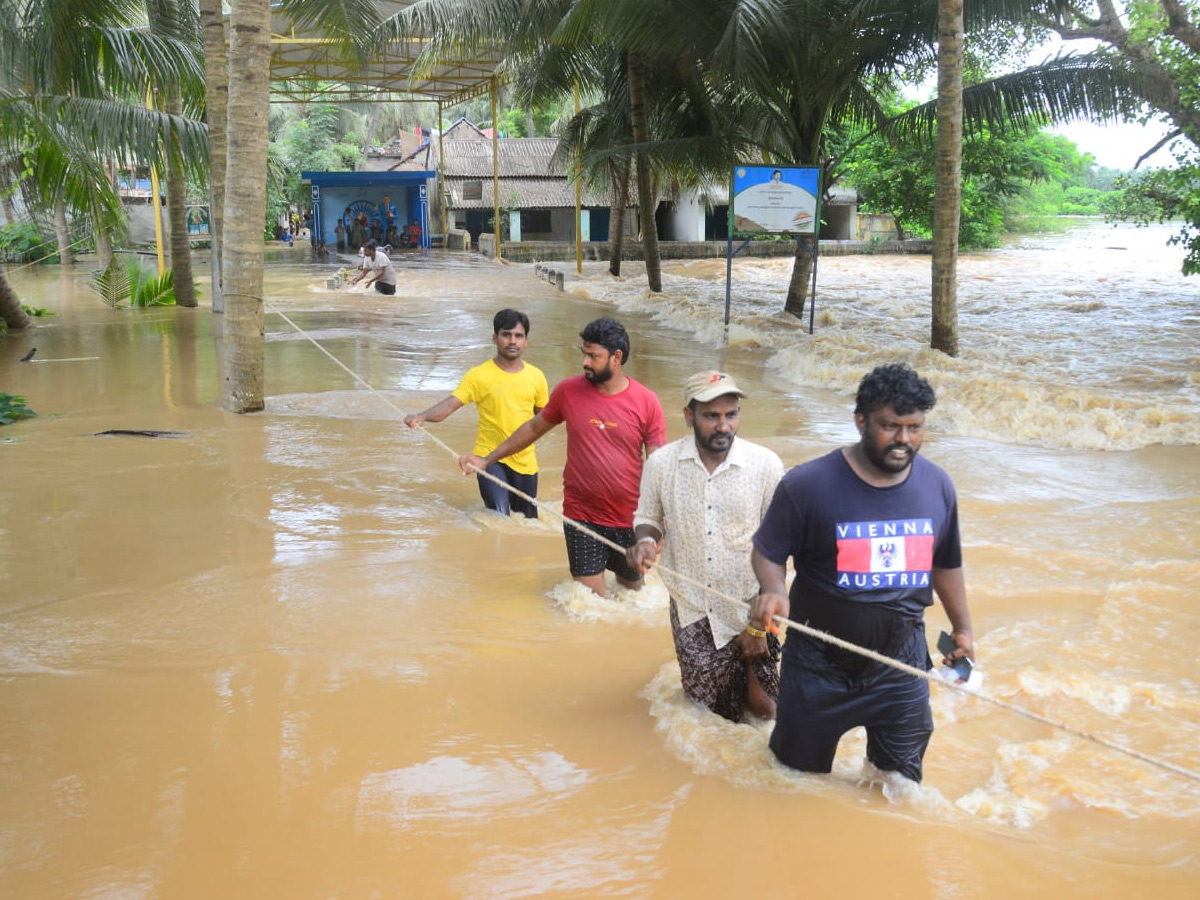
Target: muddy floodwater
290	655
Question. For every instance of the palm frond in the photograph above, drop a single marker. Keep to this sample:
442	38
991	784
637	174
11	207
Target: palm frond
348	23
153	290
113	282
1065	88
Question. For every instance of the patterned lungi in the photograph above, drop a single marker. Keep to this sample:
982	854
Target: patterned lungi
716	676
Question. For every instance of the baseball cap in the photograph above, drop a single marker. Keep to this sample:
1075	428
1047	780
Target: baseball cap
705	386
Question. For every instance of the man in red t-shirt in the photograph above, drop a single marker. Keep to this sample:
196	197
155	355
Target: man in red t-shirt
613	423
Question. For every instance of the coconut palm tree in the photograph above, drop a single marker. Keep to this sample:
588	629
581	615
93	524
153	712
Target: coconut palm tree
527	30
246	172
948	198
73	81
791	70
596	130
216	96
178	21
245	205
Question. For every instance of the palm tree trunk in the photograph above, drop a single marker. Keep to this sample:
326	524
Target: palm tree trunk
103	246
246	202
802	267
6	202
217	100
948	199
529	120
616	216
646	196
11	310
177	220
63	233
101	228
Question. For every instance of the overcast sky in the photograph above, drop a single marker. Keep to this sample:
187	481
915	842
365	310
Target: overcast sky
1118	146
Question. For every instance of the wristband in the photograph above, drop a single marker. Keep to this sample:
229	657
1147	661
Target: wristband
755	632
642	540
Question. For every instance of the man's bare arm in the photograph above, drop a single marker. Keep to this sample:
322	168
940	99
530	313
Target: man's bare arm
516	442
435	413
950	585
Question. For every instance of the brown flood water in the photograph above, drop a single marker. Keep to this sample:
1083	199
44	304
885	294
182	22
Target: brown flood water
288	655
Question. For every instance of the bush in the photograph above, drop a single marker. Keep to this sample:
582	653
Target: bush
13	408
23	242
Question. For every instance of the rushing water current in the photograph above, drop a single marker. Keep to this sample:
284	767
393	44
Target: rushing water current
289	655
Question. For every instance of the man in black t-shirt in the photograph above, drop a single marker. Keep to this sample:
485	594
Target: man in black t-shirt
872	530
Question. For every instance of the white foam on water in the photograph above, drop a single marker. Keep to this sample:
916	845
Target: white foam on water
455	788
645	607
739	753
549	523
1105	675
1072	361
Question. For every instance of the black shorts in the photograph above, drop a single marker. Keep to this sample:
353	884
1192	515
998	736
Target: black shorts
818	703
388	289
587	556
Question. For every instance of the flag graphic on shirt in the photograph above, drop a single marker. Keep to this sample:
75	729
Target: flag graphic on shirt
889	554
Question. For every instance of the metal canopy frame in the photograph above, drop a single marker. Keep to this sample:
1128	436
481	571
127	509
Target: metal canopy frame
308	67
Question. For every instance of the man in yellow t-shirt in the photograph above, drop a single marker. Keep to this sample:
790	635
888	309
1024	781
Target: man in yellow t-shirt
508	392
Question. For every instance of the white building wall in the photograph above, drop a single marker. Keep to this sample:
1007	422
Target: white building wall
687	219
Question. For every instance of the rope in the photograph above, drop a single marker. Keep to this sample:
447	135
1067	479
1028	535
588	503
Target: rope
780	620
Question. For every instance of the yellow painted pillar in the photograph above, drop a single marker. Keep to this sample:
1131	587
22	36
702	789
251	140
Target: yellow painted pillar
578	197
442	174
496	162
156	199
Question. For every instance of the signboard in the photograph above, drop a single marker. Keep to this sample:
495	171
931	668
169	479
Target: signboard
472	190
775	199
197	222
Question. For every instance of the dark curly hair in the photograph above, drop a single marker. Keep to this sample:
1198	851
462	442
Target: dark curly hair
507	319
894	385
609	334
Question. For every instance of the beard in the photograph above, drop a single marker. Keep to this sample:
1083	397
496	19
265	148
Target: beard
882	462
716	443
598	376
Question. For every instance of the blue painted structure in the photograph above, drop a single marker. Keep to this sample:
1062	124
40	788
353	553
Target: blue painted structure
333	192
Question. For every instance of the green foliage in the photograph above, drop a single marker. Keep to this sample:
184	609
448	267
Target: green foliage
1157	41
154	290
1163	195
1005	179
125	282
35	311
23	242
312	140
13	408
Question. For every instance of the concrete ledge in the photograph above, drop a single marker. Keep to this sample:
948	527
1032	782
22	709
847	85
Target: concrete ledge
458	240
557	251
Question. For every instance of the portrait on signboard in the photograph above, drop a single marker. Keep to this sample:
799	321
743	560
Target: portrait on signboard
775	199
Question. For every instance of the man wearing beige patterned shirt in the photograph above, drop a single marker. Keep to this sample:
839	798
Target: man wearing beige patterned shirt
702	498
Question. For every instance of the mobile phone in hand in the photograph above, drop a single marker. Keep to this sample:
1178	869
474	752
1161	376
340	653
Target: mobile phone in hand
946	647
